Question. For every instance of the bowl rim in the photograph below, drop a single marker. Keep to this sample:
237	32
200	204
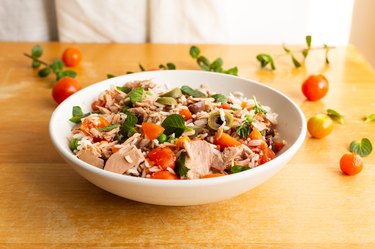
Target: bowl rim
274	163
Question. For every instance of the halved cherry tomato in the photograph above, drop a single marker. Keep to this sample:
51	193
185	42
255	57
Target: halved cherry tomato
186	114
256	135
351	164
320	125
162	157
96	104
267	153
151	130
315	87
71	57
164	175
64	88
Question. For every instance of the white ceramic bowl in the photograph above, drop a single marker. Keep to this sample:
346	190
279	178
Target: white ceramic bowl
292	127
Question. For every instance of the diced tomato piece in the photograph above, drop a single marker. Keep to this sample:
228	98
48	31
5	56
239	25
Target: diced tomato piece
180	141
225	140
88	124
267	153
151	130
164	175
224	106
212	175
186	114
96	104
162	157
256	135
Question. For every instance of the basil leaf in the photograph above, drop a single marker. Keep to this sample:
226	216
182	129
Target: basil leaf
234	70
203	63
171	66
216	66
370	118
77	115
191	92
57	65
128	127
124	89
238	168
334	115
243	130
136	94
305	53
37	51
44	72
362	148
266	59
180	168
174	123
35	64
109	127
109	76
257	107
70	73
308	41
194	52
220	98
296	63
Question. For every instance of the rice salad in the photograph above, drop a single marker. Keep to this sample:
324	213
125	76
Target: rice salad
143	129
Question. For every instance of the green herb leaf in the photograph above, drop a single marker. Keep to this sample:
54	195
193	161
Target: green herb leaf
57	65
308	41
362	148
174	123
232	71
326	48
370	118
220	98
36	51
77	114
35	64
194	52
286	49
124	89
171	66
73	145
243	130
136	94
141	67
180	168
204	63
216	66
238	168
109	76
109	127
334	115
266	59
128	127
296	63
257	107
44	72
305	53
191	92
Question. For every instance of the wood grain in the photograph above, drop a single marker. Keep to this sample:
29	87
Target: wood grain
309	204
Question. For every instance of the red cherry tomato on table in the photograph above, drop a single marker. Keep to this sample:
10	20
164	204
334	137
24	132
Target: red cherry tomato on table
320	125
64	88
315	87
351	164
71	57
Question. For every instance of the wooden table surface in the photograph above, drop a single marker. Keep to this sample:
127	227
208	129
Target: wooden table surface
308	204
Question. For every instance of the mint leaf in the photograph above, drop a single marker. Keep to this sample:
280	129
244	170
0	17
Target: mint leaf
194	52
77	115
220	98
36	51
174	123
136	94
109	127
257	107
191	92
238	168
128	127
334	115
180	168
266	59
362	148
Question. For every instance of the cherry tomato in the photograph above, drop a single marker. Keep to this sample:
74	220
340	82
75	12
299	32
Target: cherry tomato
71	57
315	87
320	126
64	88
164	175
351	164
162	157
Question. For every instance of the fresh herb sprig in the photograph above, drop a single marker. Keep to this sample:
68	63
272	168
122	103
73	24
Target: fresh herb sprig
335	116
370	118
267	59
56	67
206	65
362	148
166	66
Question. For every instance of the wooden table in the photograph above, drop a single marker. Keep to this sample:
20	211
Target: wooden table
309	204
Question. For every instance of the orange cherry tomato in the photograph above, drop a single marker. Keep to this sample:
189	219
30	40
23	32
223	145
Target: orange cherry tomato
162	157
315	87
320	126
64	88
351	164
71	57
164	175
